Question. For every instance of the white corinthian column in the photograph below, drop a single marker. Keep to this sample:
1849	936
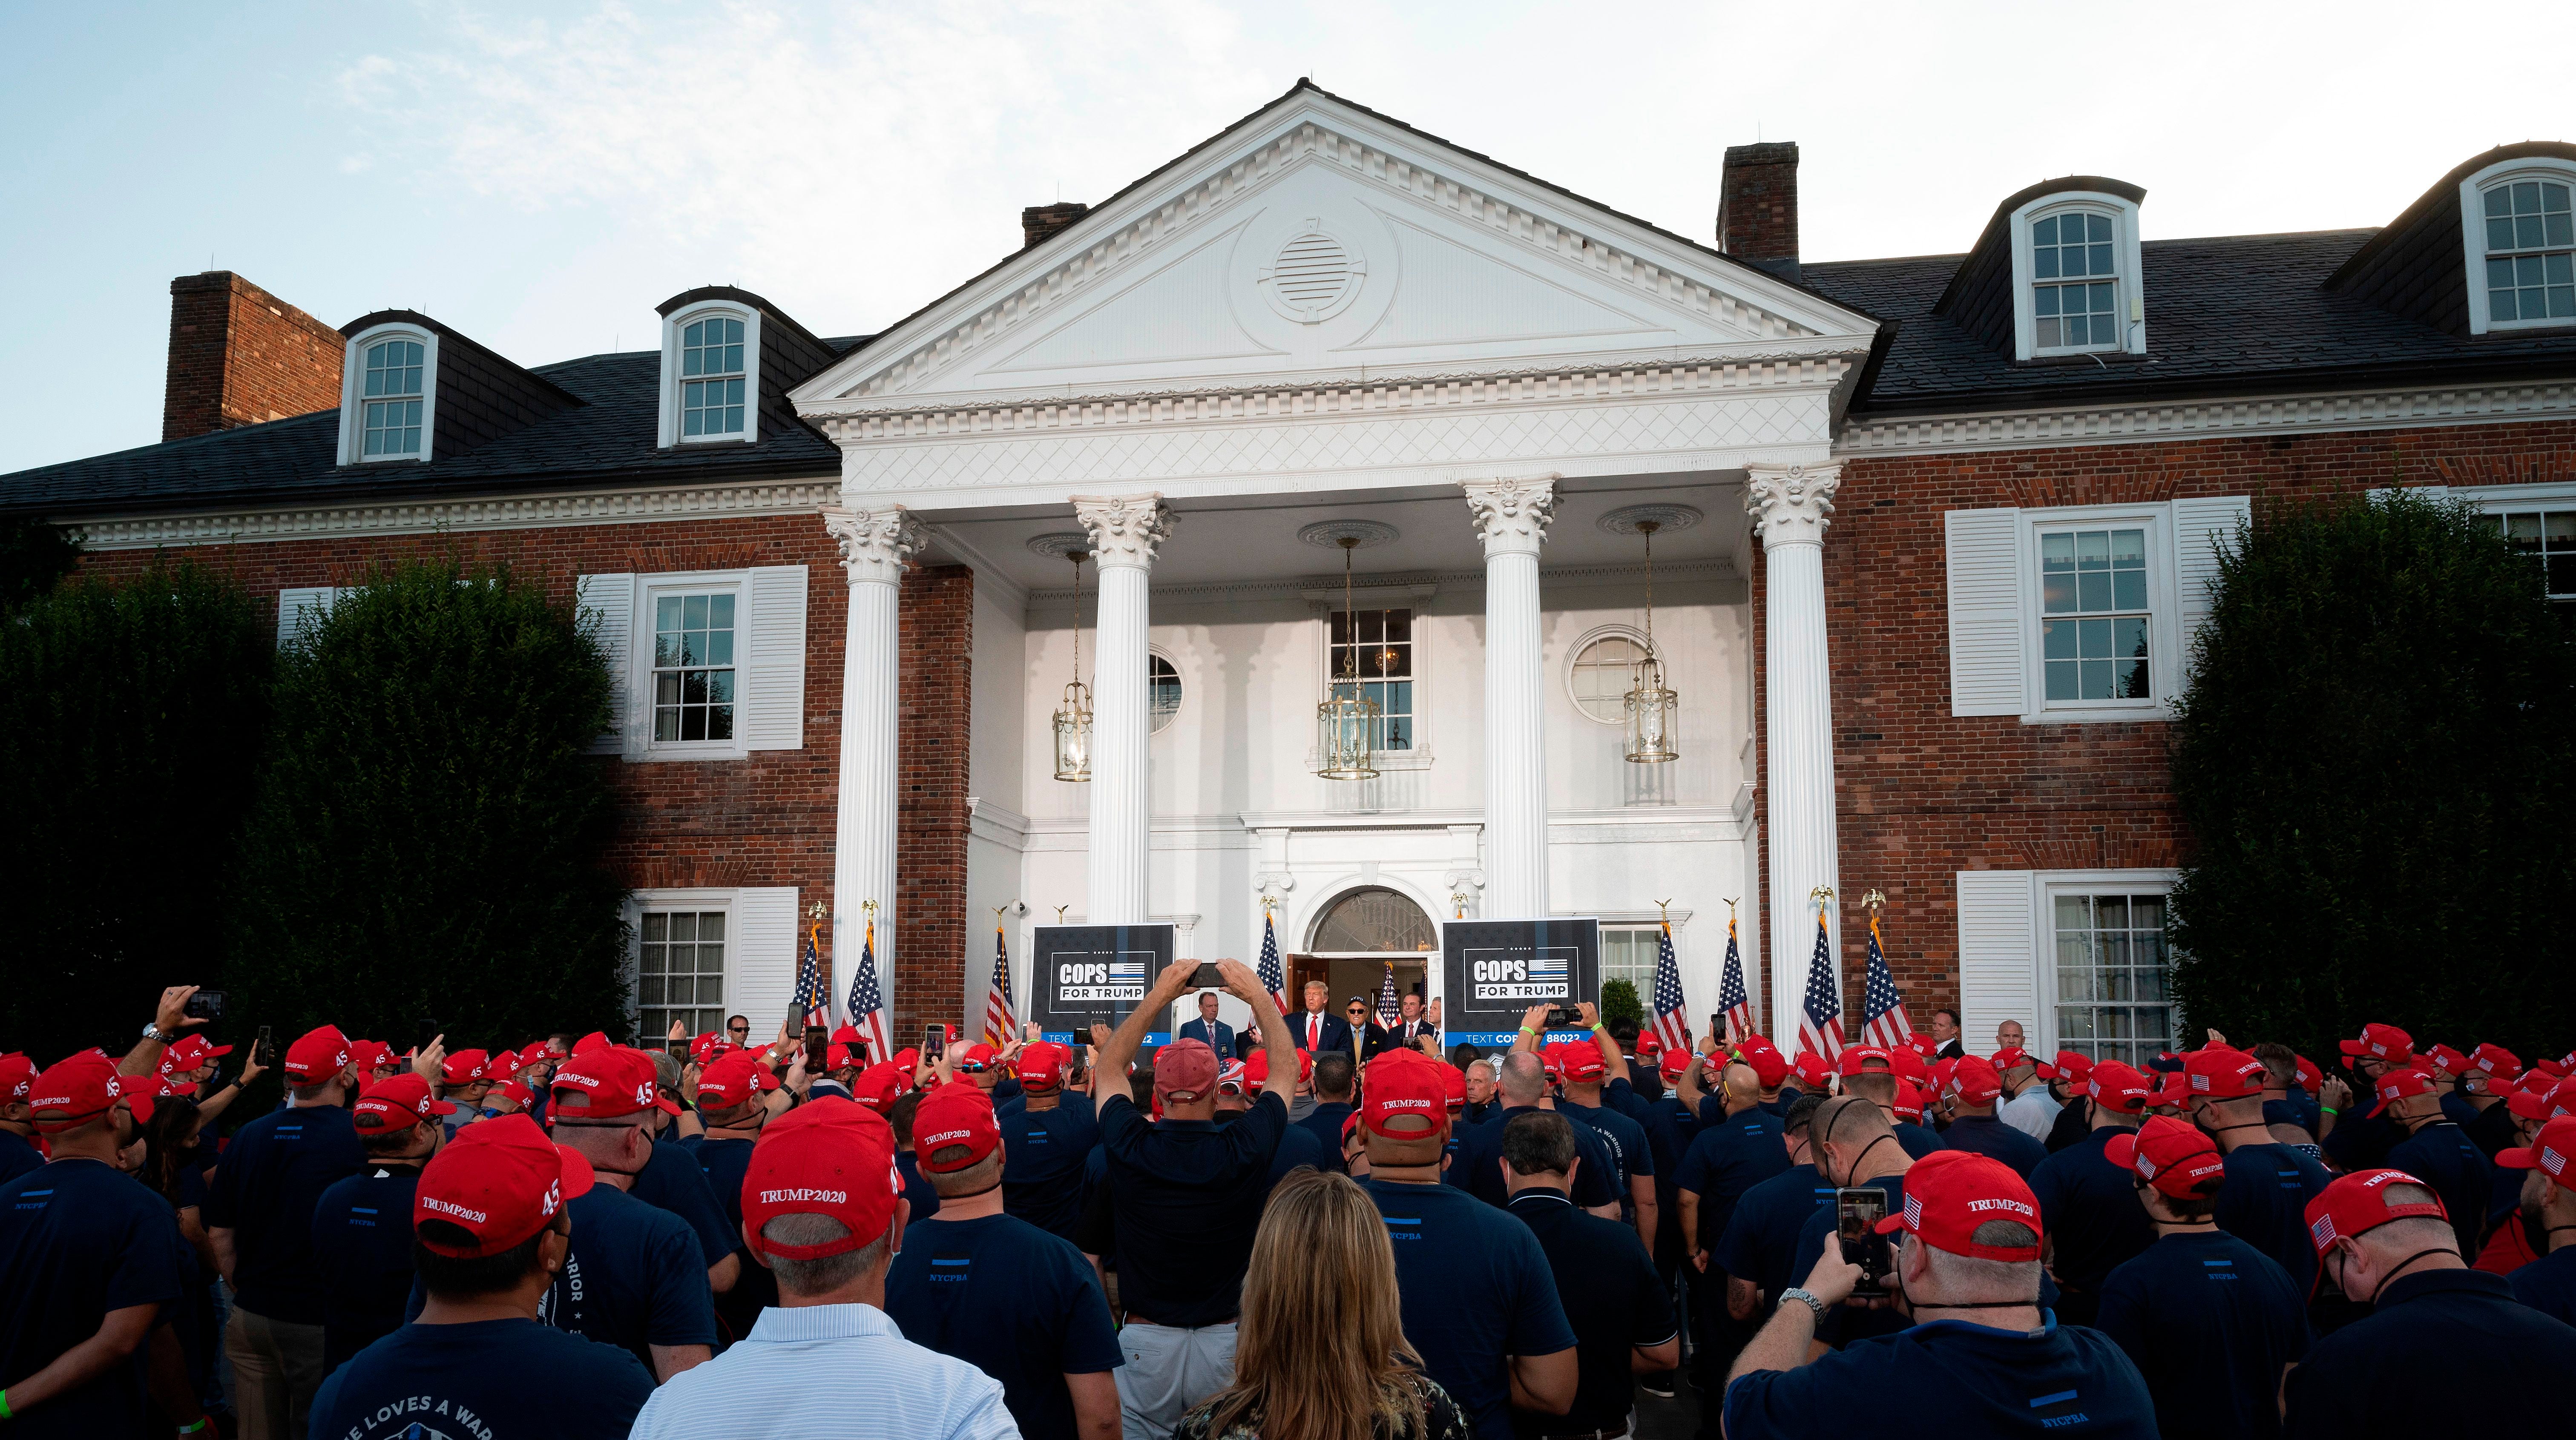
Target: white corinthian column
875	546
1126	531
1791	506
1511	518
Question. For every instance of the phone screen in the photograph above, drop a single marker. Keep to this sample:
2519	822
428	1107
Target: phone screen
1857	1212
263	1050
817	1039
934	1042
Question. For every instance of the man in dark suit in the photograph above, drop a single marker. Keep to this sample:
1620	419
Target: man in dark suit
1945	1034
1207	1029
1413	1027
1373	1037
1313	1029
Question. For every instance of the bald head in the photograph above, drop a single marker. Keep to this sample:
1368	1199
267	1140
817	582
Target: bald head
1524	1078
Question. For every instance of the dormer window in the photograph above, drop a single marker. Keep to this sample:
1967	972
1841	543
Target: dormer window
711	373
2531	252
389	395
2075	272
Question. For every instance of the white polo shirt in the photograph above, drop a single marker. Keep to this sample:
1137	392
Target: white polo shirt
838	1370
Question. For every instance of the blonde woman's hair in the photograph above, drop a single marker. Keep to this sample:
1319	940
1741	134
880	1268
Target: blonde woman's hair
1321	1353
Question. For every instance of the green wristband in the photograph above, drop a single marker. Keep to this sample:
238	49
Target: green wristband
2329	1109
1527	1030
4	1406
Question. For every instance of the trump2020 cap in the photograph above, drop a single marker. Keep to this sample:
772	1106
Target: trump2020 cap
501	1181
830	1157
1949	1193
73	1092
2171	1155
1405	1084
953	1116
2215	1074
397	1102
2378	1042
609	1084
1042	1065
2115	1086
2358	1203
2547	1152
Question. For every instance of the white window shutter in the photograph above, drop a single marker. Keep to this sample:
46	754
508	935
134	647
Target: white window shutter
293	605
1998	964
2200	528
771	715
1986	601
764	957
611	599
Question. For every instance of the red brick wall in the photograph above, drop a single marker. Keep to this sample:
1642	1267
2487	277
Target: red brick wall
1757	209
241	356
766	820
1921	795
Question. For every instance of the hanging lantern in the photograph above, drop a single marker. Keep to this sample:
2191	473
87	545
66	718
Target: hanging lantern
1653	710
1073	717
1346	722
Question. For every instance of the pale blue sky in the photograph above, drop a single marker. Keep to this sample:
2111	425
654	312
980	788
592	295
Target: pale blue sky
540	176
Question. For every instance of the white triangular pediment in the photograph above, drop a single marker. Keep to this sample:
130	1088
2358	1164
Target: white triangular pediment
1317	241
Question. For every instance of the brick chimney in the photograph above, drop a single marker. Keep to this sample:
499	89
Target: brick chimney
1040	221
1757	208
241	356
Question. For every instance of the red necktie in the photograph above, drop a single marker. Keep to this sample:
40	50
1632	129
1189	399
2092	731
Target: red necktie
1314	1031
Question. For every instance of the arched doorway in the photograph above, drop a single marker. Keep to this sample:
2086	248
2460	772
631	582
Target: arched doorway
1352	942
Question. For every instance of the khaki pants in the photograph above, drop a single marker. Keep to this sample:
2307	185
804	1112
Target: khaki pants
1168	1372
276	1368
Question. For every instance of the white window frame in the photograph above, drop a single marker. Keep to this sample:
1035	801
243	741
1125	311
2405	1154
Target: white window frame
2505	499
761	949
2473	234
2008	945
1646	929
2047	886
676	324
2130	297
648	589
1574	657
2164	629
1157	652
353	378
1383	598
700	902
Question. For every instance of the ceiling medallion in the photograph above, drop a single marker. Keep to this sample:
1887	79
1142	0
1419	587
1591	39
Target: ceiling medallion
1060	543
1331	533
1314	277
1630	519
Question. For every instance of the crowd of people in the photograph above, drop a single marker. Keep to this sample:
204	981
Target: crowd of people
1321	1228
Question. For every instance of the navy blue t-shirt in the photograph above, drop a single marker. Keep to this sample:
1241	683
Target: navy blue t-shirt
1298	1146
1324	1122
2444	1352
1013	1301
362	1251
1630	1155
755	1288
2548	1284
673	1180
1671	1129
1187	1194
2263	1201
1916	1141
78	1239
1613	1299
1840	1325
636	1276
2089	1209
1042	1162
17	1157
916	1186
2068	1130
1988	1136
2442	1156
2294	1108
2209	1321
1478	1164
1727	1160
2362	1134
1476	1288
501	1379
272	1174
2054	1381
1761	1242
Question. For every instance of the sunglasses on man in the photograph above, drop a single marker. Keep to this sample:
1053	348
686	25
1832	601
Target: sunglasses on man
739	1029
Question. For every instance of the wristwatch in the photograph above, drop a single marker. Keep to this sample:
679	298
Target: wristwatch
1810	1301
153	1031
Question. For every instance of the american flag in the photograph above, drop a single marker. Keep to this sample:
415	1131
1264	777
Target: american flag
1731	994
1887	1024
813	993
1000	1024
1274	978
867	1003
1672	1017
1820	1020
1388	1011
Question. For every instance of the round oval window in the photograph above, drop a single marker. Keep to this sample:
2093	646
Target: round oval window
1162	691
1602	673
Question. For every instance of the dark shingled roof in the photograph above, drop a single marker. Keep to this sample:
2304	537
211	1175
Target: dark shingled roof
607	439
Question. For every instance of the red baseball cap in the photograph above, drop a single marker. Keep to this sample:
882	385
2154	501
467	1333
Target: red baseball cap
2171	1087
977	1059
1551	1059
397	1102
1674	1061
2310	1077
84	1087
1042	1065
1455	1081
1184	1070
2378	1042
2215	1074
2542	1098
1936	1081
878	1086
591	1043
2011	1057
2447	1060
612	1083
2496	1062
1811	1070
1770	1067
539	1050
1949	1193
2115	1087
515	1091
143	1091
1909	1063
318	1056
2548	1151
830	1157
1909	1100
1229	1076
502	1064
1582	1061
1647	1044
17	1077
501	1179
463	1067
2357	1203
2072	1065
1257	1069
1856	1057
2404	1082
1405	1083
1975	1082
837	1056
190	1051
728	1082
707	1047
2172	1155
954	1115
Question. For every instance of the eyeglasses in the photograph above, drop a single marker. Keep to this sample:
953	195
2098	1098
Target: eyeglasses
739	1029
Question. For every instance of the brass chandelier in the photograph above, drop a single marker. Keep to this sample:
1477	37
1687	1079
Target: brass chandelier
1652	708
1073	717
1346	722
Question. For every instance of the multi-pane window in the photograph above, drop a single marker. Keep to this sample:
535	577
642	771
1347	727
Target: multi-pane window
1603	671
1628	953
2075	290
2094	614
1162	691
711	377
693	670
679	971
1380	643
2549	538
2114	977
390	399
2531	251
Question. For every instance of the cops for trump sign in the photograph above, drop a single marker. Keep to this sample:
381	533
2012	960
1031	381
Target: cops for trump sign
1492	971
1085	975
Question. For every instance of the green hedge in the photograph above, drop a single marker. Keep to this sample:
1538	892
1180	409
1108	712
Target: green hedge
2376	765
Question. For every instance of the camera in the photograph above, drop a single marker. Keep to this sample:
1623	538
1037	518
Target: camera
1563	1015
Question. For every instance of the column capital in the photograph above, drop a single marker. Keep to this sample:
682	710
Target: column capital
1791	504
1125	529
1512	515
875	544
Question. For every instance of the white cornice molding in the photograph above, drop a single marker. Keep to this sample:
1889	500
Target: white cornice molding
1391	589
417	517
2409	409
